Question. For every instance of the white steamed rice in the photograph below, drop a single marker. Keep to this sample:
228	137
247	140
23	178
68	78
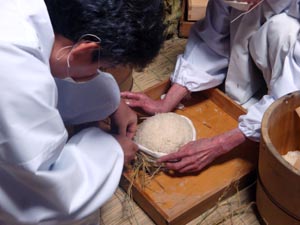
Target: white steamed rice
164	132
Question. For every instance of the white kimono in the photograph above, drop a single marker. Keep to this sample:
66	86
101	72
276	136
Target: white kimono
257	52
45	178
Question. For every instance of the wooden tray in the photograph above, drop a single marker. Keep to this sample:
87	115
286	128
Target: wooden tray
176	200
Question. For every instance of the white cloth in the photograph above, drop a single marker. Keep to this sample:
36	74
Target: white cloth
259	49
45	179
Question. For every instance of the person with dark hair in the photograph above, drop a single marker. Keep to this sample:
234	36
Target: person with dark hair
52	53
248	48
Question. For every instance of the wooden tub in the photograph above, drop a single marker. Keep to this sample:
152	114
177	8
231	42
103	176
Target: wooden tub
278	186
123	76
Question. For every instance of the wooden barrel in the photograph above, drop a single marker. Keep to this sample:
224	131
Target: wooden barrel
278	186
123	76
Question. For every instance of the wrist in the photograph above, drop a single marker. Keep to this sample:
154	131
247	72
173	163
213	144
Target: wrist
174	97
230	140
166	106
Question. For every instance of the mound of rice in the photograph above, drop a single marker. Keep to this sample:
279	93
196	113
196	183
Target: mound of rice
164	132
292	157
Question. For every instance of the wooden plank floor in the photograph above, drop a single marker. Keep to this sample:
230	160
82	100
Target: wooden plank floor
240	209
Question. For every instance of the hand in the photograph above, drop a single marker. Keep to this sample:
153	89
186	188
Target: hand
142	101
195	155
128	146
124	121
175	94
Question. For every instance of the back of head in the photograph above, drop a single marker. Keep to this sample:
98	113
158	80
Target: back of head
131	31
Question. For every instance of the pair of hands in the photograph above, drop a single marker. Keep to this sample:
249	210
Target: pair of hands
124	120
195	155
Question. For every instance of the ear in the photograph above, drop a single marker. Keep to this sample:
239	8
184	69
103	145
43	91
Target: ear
83	48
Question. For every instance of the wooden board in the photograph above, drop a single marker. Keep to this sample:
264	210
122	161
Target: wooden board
176	200
184	28
192	10
184	25
196	9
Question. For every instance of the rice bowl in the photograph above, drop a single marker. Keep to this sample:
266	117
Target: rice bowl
164	133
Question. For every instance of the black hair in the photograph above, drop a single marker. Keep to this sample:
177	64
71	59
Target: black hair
131	31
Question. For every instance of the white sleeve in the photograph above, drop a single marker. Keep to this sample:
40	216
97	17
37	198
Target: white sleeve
99	96
205	60
44	177
288	82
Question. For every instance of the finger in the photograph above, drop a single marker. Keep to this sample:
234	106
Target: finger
176	156
133	152
166	158
176	166
190	169
131	95
134	103
121	130
131	130
135	147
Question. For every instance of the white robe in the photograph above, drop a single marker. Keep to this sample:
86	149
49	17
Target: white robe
45	178
260	50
